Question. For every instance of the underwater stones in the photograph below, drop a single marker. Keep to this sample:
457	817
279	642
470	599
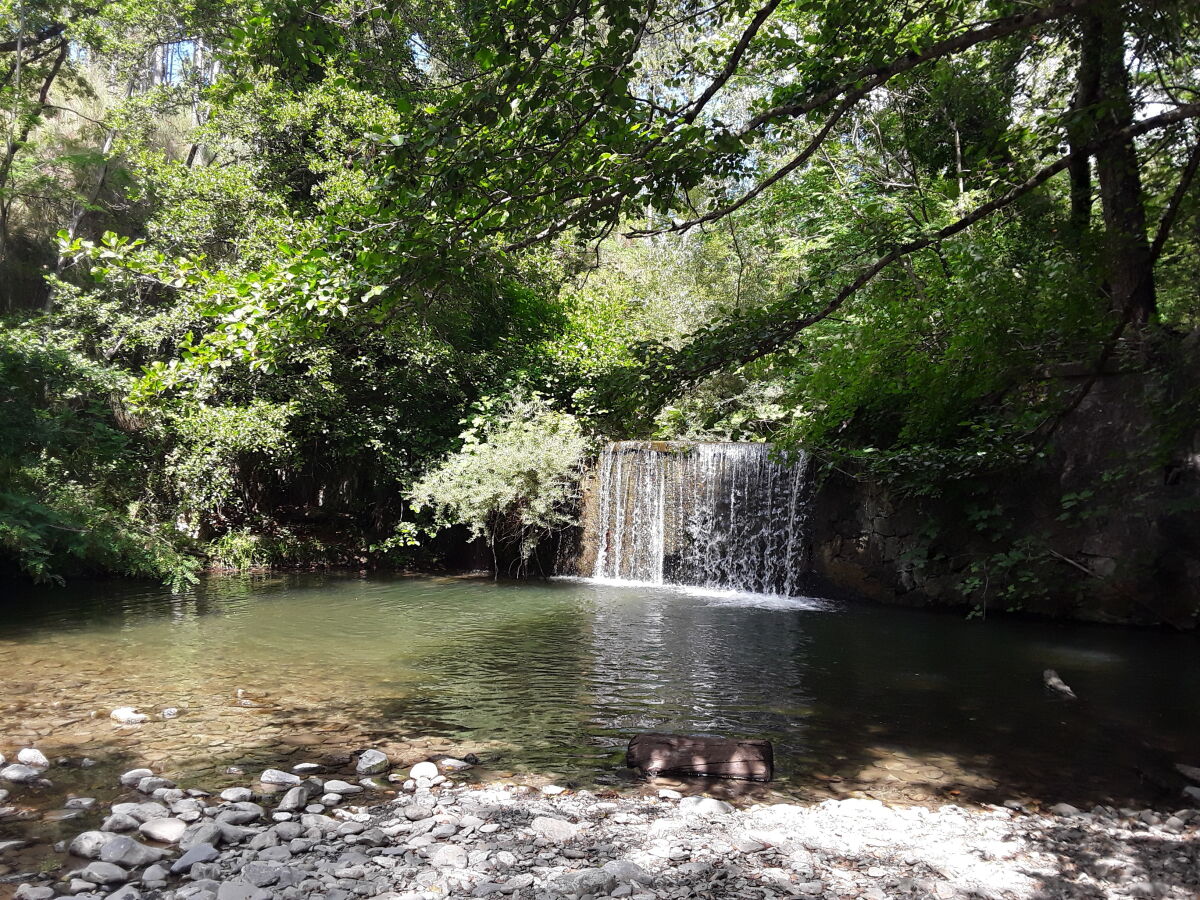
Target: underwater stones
128	715
33	757
372	762
20	774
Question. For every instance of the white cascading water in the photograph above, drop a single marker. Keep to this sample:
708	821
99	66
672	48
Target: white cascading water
723	516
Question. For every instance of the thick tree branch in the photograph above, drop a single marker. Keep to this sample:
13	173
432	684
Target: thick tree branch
694	108
868	78
49	33
1172	211
781	332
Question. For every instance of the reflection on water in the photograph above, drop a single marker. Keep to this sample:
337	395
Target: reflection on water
555	677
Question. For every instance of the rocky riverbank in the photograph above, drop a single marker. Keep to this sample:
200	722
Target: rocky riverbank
300	834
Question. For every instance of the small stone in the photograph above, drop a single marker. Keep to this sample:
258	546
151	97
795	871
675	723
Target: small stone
704	806
330	799
119	822
423	770
450	764
238	889
261	874
170	712
417	813
32	892
125	851
198	853
133	776
104	873
242	813
342	787
553	790
152	783
157	872
277	776
20	774
237	794
668	794
594	882
88	844
1064	809
80	803
556	830
449	856
33	757
628	871
165	831
128	715
372	762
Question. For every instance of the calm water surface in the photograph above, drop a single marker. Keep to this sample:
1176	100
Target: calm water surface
553	678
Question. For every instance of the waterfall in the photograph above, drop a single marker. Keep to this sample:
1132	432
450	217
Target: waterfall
724	516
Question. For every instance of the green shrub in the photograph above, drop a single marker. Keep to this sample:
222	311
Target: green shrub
514	480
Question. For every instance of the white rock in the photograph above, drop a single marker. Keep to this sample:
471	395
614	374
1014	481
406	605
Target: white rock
170	712
277	776
704	806
128	715
449	856
165	831
33	757
423	770
450	764
89	844
133	776
556	830
342	787
553	790
20	774
237	794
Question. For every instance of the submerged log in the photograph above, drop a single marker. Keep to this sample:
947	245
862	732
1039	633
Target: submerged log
673	754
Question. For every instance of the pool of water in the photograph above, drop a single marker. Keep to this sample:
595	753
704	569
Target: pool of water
553	678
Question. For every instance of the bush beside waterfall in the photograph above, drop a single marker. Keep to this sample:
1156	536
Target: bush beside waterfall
515	479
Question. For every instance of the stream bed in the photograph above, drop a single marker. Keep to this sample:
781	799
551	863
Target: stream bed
549	680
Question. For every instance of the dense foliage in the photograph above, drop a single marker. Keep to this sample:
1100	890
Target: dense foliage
261	262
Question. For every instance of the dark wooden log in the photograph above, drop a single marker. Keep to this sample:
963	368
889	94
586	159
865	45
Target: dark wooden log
673	754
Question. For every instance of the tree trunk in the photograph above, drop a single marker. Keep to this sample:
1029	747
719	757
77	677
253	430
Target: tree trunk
1130	264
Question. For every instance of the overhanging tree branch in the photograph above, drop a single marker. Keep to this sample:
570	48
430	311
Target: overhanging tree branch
781	332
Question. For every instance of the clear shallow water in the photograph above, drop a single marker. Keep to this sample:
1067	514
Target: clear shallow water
553	678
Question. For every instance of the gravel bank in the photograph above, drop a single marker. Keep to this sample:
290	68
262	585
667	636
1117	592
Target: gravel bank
443	837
